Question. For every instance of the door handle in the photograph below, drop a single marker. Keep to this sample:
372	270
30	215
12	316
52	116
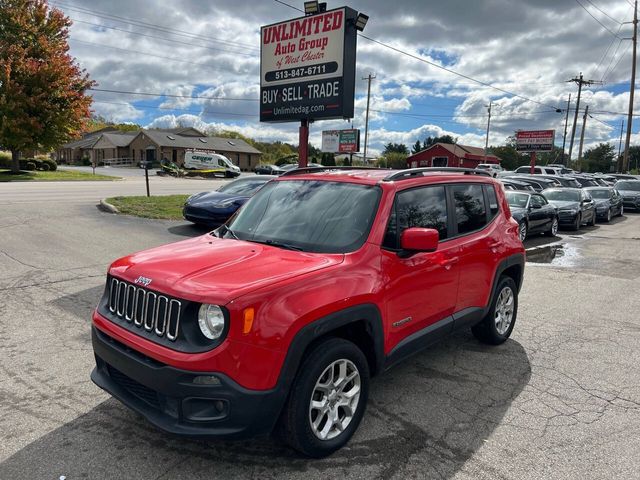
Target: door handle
448	262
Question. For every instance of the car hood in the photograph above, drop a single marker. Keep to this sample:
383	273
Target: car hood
629	193
602	202
564	205
212	270
216	198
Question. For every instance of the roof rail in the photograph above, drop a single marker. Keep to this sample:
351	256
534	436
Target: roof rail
299	171
414	172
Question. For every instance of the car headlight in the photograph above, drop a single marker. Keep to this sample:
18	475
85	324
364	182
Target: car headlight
572	211
211	321
227	204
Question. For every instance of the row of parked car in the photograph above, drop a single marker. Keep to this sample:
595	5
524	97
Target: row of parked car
549	199
541	203
267	169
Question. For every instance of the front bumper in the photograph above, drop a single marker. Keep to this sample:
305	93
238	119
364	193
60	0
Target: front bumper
204	217
212	407
631	203
566	218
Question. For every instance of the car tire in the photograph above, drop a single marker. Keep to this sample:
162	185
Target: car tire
576	226
553	229
621	211
523	229
302	425
608	217
496	327
592	223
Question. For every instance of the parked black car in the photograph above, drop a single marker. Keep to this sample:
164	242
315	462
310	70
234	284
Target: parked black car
608	202
630	191
564	180
538	183
575	206
511	184
267	169
533	213
212	209
585	181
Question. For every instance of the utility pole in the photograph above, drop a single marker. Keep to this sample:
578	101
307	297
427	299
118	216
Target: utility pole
366	121
486	142
566	121
580	81
619	158
632	89
584	127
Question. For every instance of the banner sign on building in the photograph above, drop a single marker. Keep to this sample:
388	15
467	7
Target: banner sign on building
307	67
535	140
341	141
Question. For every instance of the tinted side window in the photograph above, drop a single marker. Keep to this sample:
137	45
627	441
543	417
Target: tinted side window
419	207
471	213
493	200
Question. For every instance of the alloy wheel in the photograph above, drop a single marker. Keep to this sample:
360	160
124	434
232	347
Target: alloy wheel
609	215
554	227
334	399
504	310
522	231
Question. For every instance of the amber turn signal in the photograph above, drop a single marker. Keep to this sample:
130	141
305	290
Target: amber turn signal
248	315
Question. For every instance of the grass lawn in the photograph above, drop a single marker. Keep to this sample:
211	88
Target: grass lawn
58	175
167	207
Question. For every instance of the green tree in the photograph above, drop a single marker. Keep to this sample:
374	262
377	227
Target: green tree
510	159
395	147
599	158
328	160
42	89
417	147
441	139
397	160
634	158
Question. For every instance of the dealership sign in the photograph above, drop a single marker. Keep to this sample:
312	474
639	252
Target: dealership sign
535	140
341	141
307	67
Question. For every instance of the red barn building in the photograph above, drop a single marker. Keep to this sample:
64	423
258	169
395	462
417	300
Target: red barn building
449	155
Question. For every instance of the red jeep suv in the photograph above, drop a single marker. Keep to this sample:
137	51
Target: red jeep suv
325	278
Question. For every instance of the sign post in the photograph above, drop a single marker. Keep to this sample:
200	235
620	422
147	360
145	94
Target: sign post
535	141
307	70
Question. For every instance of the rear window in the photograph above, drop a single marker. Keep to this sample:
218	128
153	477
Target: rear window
471	213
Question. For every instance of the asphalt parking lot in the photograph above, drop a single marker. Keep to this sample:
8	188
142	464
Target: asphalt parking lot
559	400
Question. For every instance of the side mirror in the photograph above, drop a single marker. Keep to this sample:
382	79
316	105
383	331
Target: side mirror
536	206
419	240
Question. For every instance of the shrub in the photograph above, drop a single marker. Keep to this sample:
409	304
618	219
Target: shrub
53	166
86	162
30	166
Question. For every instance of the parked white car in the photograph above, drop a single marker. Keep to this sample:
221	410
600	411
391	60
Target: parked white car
493	168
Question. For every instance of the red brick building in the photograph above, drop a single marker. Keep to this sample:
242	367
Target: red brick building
448	155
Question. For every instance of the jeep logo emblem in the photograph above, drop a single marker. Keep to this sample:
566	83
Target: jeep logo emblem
143	281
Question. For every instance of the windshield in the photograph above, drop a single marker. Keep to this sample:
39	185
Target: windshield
628	185
562	195
243	187
518	200
600	194
309	215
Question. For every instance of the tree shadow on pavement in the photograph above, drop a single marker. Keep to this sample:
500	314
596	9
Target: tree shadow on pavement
189	230
425	419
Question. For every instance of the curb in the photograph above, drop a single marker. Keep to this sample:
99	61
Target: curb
107	207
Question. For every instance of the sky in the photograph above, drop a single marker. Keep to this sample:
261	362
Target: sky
522	52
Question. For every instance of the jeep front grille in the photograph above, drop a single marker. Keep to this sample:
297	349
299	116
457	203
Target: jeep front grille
145	309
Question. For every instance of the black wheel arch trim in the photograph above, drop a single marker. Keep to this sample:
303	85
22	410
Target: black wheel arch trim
322	327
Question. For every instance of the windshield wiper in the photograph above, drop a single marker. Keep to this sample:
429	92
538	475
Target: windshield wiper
273	243
229	231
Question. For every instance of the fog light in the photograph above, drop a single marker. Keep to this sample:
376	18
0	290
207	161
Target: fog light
206	380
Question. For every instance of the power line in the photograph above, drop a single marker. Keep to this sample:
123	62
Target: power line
601	24
618	62
140	53
160	38
151	26
603	12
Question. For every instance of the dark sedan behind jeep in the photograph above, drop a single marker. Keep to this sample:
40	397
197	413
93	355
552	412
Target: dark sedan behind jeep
630	191
533	213
212	209
575	206
608	202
